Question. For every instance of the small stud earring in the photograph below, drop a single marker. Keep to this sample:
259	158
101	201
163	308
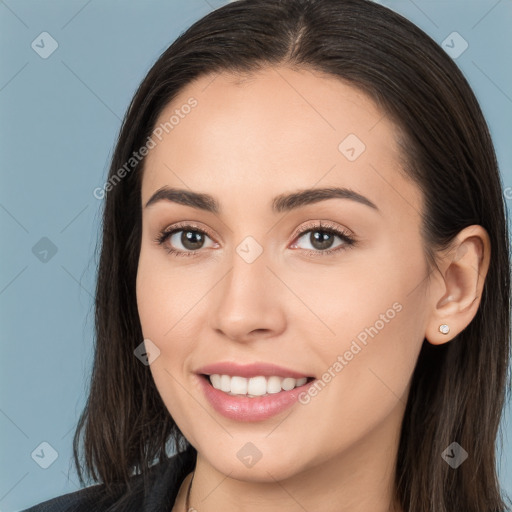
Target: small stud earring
443	328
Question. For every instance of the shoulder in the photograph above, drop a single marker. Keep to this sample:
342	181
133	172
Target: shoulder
158	490
73	501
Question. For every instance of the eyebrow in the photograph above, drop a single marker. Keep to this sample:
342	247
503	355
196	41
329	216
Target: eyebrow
280	203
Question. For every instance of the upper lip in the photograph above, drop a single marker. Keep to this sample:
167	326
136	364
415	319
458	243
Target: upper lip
249	370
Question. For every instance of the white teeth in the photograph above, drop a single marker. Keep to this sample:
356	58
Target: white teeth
274	384
225	383
238	385
254	386
215	380
257	386
288	383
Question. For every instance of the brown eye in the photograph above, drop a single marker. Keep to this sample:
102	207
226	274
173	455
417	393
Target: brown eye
321	240
183	240
190	240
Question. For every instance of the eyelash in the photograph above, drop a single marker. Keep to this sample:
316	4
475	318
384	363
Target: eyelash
348	240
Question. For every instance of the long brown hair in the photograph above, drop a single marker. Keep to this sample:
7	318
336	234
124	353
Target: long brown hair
459	388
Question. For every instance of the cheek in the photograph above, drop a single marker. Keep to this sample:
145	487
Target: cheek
376	329
366	377
163	301
164	294
365	290
168	302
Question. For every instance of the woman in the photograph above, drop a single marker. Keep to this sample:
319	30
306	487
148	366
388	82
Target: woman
303	287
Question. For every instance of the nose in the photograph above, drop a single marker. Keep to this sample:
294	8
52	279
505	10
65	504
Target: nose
248	303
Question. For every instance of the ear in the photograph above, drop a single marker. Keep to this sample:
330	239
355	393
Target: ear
458	290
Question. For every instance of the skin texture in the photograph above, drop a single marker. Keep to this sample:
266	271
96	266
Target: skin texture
244	143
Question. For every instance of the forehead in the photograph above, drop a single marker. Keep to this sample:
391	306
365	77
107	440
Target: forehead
275	130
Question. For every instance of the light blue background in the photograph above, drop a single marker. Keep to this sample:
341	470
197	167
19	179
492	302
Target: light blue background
59	121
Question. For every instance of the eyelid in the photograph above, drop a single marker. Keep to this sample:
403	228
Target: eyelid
320	224
186	224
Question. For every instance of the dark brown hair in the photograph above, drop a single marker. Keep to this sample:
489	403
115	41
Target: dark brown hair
459	388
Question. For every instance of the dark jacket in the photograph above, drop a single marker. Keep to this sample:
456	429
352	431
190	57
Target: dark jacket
157	495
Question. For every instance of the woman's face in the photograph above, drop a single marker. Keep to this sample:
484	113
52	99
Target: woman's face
267	285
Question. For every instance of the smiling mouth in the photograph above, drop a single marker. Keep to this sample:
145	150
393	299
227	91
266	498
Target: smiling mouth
252	387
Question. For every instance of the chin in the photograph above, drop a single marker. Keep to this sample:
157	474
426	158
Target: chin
241	460
266	470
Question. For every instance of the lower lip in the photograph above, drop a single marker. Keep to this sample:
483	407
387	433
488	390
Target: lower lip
244	408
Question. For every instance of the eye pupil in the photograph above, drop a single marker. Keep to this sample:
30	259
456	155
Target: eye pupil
192	237
323	241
